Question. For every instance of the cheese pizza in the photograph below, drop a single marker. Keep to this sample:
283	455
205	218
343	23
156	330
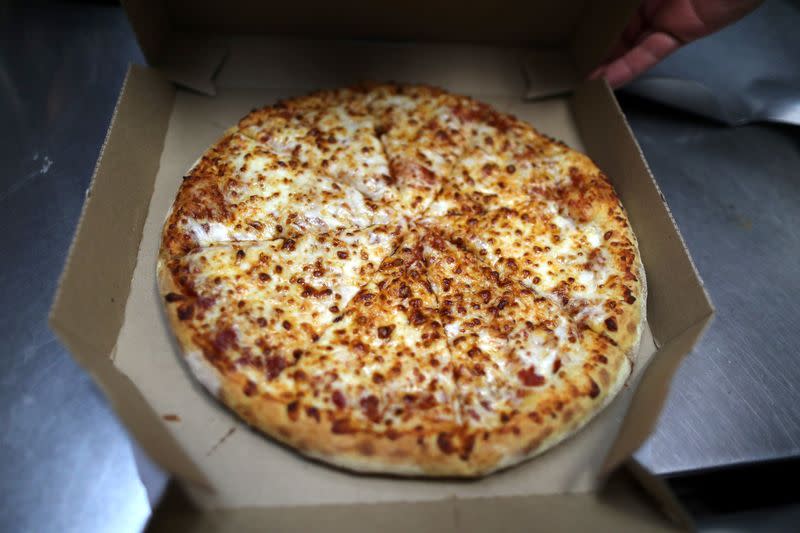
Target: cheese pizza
393	278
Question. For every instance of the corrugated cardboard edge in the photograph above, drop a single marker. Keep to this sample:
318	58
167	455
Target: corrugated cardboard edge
596	110
666	499
89	304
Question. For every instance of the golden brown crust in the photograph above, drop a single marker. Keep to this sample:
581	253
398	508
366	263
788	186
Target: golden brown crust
360	450
523	225
556	417
209	376
403	454
199	197
456	159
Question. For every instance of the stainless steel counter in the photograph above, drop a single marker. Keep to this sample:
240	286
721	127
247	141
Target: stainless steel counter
65	462
735	194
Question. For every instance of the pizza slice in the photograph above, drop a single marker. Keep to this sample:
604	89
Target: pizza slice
588	265
480	181
479	311
337	140
376	392
527	375
251	309
242	191
353	98
423	135
288	123
505	162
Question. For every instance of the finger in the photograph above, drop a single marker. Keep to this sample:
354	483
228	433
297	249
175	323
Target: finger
640	58
620	49
690	20
597	73
631	35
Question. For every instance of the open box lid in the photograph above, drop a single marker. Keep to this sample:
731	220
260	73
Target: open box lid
90	306
187	40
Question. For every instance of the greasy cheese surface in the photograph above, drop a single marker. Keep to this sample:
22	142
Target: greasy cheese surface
389	354
253	305
580	264
506	341
406	268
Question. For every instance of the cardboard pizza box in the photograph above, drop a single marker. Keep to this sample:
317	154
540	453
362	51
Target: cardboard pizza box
210	63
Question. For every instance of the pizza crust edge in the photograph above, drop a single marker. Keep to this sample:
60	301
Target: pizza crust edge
359	451
402	456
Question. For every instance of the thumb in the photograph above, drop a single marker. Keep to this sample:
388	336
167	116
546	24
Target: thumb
643	56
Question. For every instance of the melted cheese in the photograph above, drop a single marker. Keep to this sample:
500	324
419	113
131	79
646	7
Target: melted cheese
204	373
541	348
348	291
546	250
277	297
356	350
309	187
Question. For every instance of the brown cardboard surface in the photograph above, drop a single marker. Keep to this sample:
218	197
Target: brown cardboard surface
549	73
620	506
652	393
147	378
570	36
151	24
216	441
191	60
101	260
90	301
292	64
678	307
677	298
502	21
658	489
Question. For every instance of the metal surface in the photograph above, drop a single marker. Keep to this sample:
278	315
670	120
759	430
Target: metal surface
67	465
735	195
65	462
764	86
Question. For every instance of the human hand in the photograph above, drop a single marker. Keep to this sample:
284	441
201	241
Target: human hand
660	27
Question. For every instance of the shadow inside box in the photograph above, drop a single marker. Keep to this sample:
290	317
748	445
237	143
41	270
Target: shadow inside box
736	489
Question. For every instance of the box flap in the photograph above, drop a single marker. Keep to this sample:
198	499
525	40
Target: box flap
90	300
292	65
677	299
216	440
192	60
599	27
540	22
678	307
622	506
89	304
151	25
571	35
661	493
550	72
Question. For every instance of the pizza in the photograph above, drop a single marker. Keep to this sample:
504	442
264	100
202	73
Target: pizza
393	278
